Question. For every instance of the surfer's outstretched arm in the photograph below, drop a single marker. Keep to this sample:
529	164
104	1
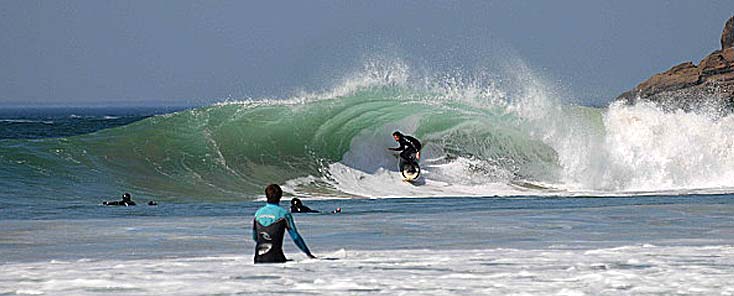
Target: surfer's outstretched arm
297	239
400	148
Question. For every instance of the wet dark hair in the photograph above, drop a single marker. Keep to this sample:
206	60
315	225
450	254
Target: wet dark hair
273	193
397	133
296	201
126	196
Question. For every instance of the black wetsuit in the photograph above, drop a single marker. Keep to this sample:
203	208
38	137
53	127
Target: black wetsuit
410	146
269	241
302	209
298	207
119	203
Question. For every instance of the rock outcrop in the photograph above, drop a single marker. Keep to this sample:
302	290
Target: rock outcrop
727	37
706	86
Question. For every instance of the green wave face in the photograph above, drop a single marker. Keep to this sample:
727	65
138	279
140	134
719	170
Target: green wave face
231	151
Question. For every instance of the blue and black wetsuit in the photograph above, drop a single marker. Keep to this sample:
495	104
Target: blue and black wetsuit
410	146
268	229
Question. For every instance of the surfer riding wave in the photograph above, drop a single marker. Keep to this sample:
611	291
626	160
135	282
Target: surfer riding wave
411	151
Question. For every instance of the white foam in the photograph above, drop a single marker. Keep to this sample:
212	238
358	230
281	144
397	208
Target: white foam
625	270
649	149
642	149
388	184
26	121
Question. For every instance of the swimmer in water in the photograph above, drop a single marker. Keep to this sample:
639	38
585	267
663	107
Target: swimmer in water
297	206
126	201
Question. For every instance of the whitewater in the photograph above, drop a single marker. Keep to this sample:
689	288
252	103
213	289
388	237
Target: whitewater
522	193
653	245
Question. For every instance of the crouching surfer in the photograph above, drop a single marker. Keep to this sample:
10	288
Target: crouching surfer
411	153
126	201
268	228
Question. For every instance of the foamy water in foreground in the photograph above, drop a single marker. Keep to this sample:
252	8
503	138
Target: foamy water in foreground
639	245
629	270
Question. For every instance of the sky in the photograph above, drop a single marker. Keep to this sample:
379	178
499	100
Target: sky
164	53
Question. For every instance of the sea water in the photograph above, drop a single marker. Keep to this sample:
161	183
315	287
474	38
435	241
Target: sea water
520	195
654	245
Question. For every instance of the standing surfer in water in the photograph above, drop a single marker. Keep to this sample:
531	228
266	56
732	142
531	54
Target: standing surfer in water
410	147
268	228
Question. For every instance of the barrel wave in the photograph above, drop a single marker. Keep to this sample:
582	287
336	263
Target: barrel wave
480	139
229	151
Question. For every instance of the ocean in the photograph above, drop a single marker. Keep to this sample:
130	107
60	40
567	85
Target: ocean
521	194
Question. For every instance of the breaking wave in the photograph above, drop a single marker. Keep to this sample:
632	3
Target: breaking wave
483	135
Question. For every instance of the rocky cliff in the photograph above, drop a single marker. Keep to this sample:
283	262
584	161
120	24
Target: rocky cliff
706	86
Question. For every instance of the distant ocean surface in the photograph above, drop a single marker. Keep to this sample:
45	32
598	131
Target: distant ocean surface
520	194
38	122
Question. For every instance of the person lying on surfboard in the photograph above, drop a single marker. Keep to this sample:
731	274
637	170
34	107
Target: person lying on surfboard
410	147
126	201
297	206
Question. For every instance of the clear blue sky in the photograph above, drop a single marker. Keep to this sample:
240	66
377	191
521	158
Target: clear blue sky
194	52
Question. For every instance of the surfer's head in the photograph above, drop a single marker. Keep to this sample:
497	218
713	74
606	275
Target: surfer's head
397	135
126	196
273	193
296	201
